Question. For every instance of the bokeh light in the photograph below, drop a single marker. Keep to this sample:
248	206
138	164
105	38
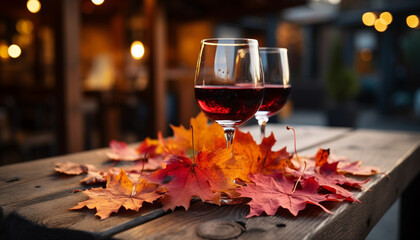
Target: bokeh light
4	50
369	18
387	17
137	50
98	2
33	6
412	21
24	26
380	25
335	2
14	51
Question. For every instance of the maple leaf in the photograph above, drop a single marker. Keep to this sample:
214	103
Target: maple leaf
210	136
94	176
171	146
268	193
328	173
321	156
250	157
185	179
119	192
356	168
150	147
120	151
71	168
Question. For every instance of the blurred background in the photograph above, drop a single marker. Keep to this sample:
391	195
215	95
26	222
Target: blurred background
75	74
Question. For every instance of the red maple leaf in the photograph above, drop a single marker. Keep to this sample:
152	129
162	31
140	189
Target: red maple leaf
356	168
268	193
120	151
185	179
328	173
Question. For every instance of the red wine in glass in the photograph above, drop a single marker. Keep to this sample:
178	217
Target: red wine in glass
229	82
275	97
277	85
229	103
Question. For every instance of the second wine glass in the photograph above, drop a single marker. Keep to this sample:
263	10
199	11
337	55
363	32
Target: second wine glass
229	82
277	85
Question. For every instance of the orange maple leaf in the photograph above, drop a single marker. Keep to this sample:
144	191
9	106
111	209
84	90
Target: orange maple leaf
250	157
321	157
119	192
210	136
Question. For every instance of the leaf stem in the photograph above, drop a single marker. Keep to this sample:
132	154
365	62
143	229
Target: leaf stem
294	136
192	142
297	156
300	177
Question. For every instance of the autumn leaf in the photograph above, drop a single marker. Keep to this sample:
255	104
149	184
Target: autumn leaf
268	193
250	157
119	192
120	151
356	168
185	179
95	176
210	136
71	168
328	172
321	156
149	147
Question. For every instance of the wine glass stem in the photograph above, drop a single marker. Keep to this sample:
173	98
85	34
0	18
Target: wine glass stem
229	134
262	122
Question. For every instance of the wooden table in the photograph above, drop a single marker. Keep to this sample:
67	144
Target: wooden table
34	200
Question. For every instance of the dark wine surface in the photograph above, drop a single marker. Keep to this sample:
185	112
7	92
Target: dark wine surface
237	104
275	97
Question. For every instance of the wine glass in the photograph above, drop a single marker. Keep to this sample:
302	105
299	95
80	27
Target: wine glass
276	84
229	82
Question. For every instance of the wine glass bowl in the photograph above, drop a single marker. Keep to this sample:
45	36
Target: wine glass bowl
277	85
229	81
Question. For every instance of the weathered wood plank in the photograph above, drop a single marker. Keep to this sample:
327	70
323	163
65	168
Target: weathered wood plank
47	204
53	216
26	183
396	153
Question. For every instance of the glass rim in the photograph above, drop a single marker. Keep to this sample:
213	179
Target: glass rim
272	49
229	41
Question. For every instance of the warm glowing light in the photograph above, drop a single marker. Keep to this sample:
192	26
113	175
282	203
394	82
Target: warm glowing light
98	2
4	51
14	51
380	25
366	54
33	6
412	21
369	18
24	26
137	50
387	17
334	1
